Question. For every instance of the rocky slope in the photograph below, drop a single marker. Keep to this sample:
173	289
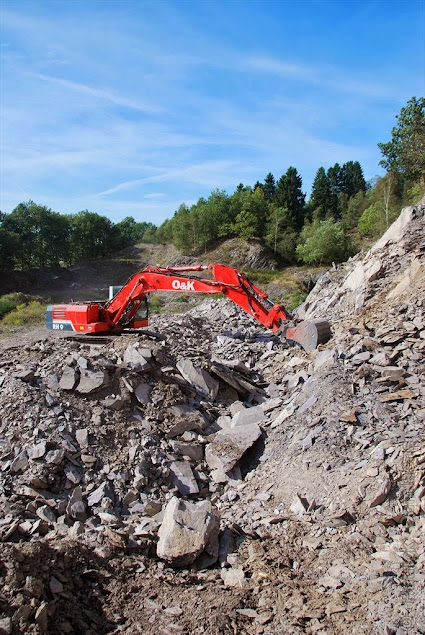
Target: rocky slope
207	478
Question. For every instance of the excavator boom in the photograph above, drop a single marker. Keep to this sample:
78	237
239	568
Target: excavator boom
124	309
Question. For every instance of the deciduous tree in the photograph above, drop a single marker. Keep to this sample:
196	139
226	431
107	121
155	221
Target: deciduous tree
406	150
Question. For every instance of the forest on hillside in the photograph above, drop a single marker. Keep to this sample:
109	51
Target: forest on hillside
343	213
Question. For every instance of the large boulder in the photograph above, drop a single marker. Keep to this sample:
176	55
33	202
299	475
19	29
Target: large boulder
188	530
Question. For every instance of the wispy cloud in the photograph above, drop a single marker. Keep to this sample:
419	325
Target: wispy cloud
337	79
136	110
100	93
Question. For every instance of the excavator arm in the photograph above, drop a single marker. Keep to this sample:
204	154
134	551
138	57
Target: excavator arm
122	311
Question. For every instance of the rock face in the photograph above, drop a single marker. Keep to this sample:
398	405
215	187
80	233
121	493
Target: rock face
188	529
290	483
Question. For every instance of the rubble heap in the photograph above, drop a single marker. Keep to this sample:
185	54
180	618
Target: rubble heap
206	477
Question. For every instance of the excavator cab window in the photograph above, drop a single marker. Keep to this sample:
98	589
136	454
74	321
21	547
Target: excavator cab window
143	310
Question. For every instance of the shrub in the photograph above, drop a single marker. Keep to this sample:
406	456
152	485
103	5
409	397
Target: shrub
323	242
372	221
25	314
10	301
6	306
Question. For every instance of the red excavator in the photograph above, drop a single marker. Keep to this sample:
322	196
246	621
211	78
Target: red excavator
128	308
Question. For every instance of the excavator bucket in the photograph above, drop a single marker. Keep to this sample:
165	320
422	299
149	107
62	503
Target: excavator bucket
309	334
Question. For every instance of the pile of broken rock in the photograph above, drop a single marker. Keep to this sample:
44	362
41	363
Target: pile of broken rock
202	447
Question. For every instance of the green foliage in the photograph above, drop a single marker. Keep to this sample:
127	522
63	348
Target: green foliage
288	194
38	236
34	236
6	306
269	187
333	190
323	242
321	194
405	153
354	209
372	221
26	314
92	236
415	193
154	304
295	298
280	235
129	232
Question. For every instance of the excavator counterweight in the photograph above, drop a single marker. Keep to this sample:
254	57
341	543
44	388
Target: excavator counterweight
128	308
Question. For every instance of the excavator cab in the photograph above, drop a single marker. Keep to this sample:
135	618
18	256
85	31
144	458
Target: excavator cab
136	318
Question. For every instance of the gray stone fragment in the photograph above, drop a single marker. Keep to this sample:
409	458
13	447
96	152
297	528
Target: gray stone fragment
52	382
20	462
25	374
82	436
69	378
324	359
234	577
188	529
83	363
142	393
195	452
47	514
138	358
42	617
183	478
247	416
77	529
307	442
198	378
361	358
55	456
229	446
382	494
6	625
37	451
92	380
307	404
298	506
394	373
73	473
113	403
76	507
380	359
103	491
55	585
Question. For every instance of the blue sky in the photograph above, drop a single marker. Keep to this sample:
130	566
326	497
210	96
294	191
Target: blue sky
129	108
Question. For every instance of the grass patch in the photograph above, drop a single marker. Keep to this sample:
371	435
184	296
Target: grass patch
155	304
182	298
295	298
261	277
20	309
5	307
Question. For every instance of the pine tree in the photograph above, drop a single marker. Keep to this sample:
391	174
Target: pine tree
321	194
289	195
269	187
352	179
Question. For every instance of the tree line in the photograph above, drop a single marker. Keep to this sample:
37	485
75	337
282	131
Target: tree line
342	212
273	211
34	236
